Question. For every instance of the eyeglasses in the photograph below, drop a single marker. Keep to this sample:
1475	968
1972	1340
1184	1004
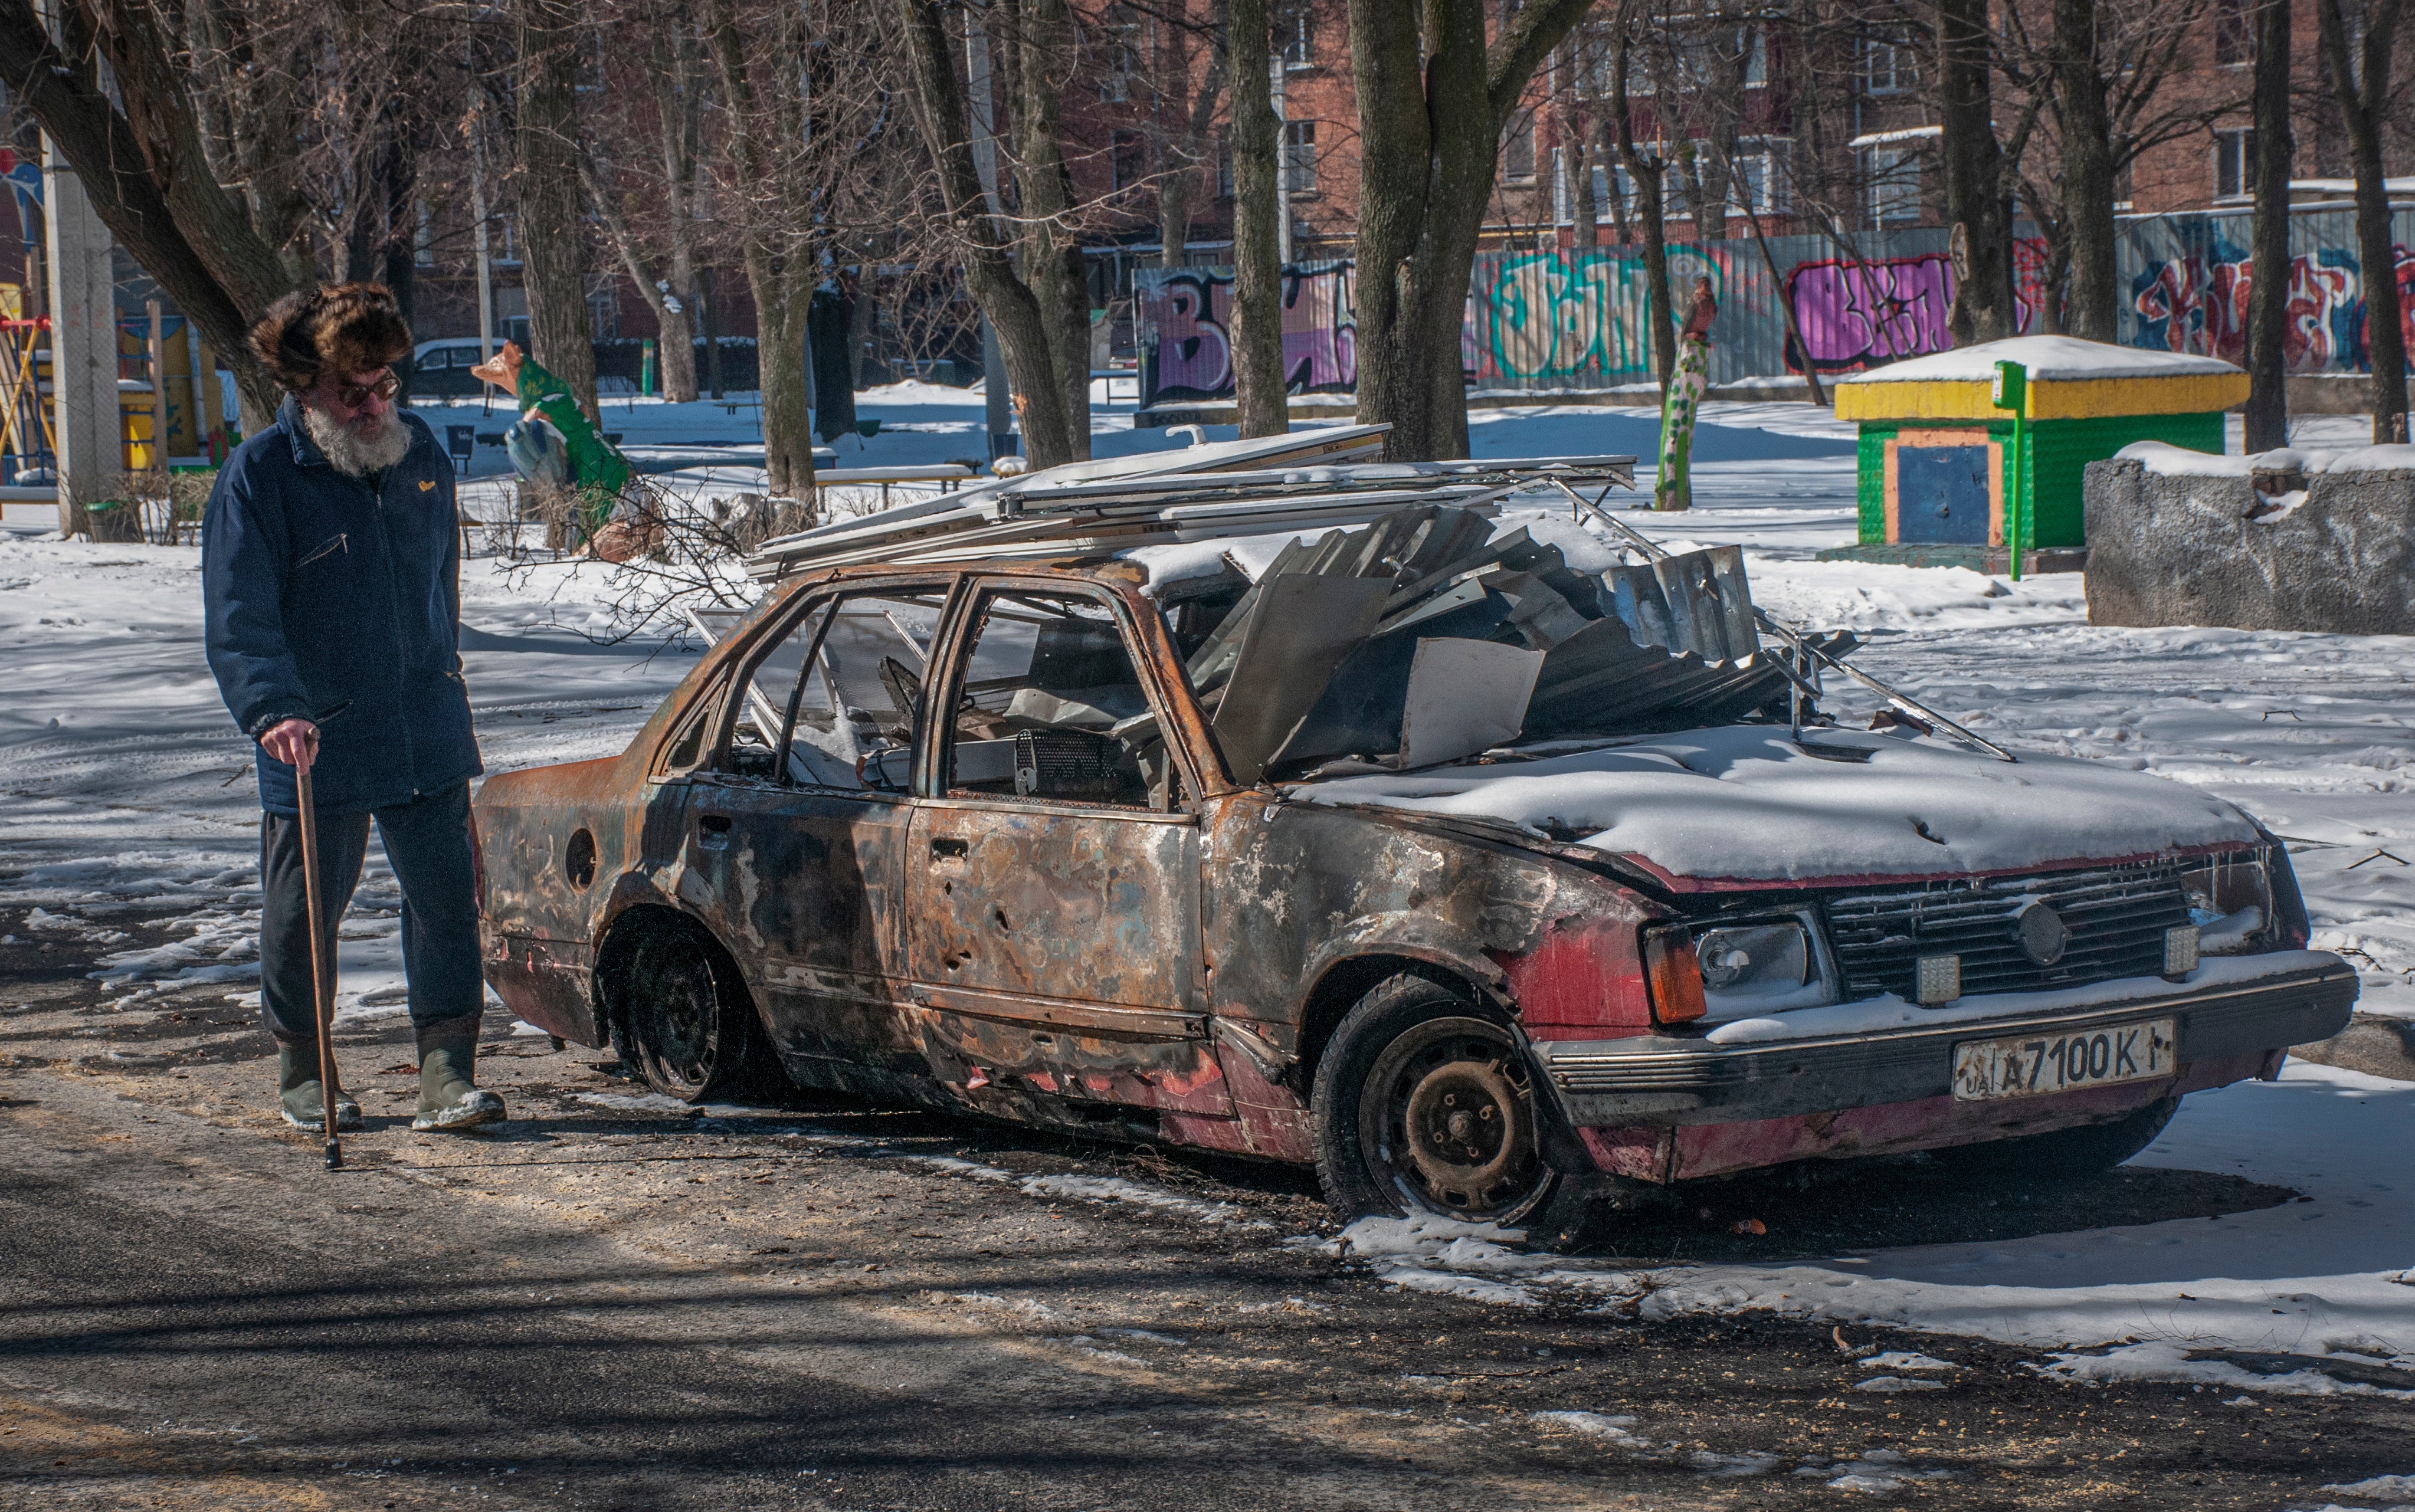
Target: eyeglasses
353	395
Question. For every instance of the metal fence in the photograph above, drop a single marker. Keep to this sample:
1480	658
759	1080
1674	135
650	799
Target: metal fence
1574	319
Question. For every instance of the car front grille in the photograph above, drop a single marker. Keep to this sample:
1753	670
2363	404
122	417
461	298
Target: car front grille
2117	916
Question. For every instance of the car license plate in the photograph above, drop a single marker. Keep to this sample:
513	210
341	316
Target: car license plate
2034	1064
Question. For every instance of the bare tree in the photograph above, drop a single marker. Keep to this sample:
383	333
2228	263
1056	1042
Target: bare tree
553	231
1982	242
1433	97
2267	294
1645	171
1258	164
643	170
1189	89
2102	74
765	72
1014	304
135	142
2368	95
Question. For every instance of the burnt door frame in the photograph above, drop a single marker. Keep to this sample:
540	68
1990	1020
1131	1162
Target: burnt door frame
803	884
1003	995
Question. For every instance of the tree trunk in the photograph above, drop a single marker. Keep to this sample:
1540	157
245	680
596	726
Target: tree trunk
782	291
1005	298
401	250
778	263
2087	144
2268	292
1173	216
1430	111
553	232
1644	172
2361	86
1257	232
1032	49
1973	162
1181	171
679	89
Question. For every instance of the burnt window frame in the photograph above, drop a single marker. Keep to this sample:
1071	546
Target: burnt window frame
1148	643
777	627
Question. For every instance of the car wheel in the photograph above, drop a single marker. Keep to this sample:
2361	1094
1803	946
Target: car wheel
2065	1152
687	1017
1423	1103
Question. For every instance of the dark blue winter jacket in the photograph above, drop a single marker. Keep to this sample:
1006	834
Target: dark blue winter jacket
329	600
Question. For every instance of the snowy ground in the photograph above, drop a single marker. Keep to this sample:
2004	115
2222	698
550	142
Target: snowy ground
127	790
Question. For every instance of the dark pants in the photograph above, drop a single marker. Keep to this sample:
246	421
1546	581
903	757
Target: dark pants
427	843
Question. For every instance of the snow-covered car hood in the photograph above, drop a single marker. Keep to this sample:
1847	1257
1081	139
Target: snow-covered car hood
1747	804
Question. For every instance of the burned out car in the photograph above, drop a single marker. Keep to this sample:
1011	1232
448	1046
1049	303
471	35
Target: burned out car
1483	877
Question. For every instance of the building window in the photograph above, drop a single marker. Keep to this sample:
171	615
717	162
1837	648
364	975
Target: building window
1300	158
1295	36
1224	169
2234	33
1128	156
1894	178
1760	183
2234	165
1518	149
1122	38
1886	65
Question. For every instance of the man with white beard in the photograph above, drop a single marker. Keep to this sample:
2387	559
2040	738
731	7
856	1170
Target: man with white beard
331	581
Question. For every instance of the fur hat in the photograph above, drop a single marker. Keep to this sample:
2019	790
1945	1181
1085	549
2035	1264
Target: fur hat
341	328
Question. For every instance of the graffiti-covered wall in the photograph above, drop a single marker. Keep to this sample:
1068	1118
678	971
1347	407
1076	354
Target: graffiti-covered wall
2188	278
1550	321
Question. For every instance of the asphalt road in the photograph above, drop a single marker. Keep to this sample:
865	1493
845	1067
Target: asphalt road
613	1306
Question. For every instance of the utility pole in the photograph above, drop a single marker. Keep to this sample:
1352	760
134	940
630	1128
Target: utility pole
997	408
1275	83
83	350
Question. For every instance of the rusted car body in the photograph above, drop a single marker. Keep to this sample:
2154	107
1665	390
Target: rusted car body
1181	952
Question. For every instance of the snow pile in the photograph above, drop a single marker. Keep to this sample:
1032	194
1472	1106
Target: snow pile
1873	1472
1478	1261
2048	358
1750	802
2313	1279
2166	460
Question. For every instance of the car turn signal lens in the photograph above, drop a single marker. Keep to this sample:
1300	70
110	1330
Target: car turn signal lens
1674	974
1938	980
2179	951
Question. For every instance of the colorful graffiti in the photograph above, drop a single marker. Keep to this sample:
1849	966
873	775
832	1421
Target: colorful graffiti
2198	304
1865	313
1569	318
1576	319
1859	314
1185	314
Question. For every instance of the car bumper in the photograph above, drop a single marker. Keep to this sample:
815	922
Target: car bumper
1678	1080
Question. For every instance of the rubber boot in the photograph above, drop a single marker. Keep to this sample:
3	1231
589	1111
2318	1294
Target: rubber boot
449	1100
297	1091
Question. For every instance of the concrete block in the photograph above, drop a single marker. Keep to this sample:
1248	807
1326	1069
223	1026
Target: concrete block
2210	550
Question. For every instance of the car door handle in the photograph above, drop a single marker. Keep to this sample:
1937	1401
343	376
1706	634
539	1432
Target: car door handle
949	849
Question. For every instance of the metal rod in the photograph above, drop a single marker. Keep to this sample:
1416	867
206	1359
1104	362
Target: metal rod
1797	640
322	973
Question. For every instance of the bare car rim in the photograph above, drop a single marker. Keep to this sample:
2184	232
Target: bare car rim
1447	1121
675	1010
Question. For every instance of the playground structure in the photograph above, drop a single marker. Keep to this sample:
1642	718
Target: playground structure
1955	469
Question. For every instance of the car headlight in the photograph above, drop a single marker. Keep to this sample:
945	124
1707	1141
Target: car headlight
1755	966
2231	902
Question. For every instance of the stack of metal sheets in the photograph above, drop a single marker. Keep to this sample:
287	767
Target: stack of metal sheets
1307	481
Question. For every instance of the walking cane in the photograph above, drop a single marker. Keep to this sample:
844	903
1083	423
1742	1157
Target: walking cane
322	972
